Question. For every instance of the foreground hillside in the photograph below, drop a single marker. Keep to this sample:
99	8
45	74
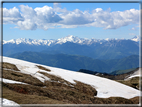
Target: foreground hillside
40	84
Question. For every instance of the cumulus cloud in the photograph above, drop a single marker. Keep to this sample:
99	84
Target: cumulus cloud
114	20
47	17
76	17
57	8
12	15
27	25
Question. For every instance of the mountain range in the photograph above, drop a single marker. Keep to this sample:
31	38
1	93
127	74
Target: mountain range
73	53
94	48
69	38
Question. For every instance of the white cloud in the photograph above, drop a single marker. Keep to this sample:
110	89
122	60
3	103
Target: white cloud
11	16
27	12
76	17
27	25
57	8
114	20
42	18
47	17
47	14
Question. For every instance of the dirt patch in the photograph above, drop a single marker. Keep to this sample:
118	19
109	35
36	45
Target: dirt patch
43	68
9	66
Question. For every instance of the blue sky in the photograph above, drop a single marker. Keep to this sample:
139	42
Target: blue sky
57	20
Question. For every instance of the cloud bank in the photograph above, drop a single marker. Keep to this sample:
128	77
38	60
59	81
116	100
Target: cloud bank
47	17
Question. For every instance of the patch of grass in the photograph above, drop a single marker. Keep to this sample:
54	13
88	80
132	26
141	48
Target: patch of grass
135	100
56	95
133	82
9	66
43	68
79	87
17	76
53	92
27	99
85	88
116	100
55	79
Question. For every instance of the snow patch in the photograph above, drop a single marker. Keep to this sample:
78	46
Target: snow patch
135	74
6	102
11	81
136	38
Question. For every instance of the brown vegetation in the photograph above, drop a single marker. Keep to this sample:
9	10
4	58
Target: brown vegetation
55	91
133	82
85	88
9	66
43	68
17	76
54	78
57	95
26	98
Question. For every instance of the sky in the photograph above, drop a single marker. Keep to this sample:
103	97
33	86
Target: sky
57	20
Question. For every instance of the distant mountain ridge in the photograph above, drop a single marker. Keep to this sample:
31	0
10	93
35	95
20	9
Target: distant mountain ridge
94	48
70	38
77	62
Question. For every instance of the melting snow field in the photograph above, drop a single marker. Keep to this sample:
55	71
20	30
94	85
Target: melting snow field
105	87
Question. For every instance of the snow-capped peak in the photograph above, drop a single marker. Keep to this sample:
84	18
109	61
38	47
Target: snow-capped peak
29	41
135	38
70	38
107	39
